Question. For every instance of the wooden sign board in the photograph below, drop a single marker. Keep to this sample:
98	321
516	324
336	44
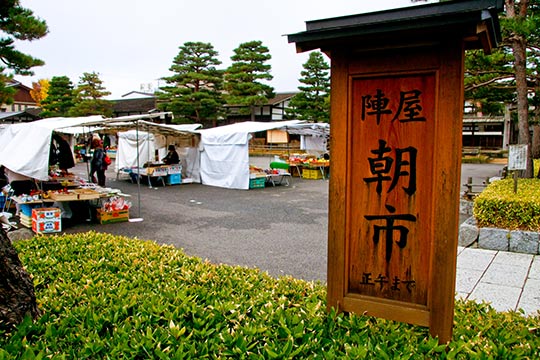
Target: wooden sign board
394	190
395	142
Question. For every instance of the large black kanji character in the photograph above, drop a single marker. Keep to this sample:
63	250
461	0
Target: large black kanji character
409	107
390	228
377	105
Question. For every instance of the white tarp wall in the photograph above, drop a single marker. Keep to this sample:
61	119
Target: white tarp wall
126	152
225	152
25	147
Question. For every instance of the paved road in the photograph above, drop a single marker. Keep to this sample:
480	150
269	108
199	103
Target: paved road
283	230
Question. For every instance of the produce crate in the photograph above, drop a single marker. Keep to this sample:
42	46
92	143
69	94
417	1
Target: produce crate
69	196
257	183
46	220
173	179
313	174
174	169
86	194
110	217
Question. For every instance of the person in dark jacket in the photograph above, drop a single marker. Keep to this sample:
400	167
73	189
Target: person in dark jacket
98	165
63	156
172	157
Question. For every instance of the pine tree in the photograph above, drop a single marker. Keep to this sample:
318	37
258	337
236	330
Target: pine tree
89	97
312	102
60	98
194	93
16	23
243	78
508	75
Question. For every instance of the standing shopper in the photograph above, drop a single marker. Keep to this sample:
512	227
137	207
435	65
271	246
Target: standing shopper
98	165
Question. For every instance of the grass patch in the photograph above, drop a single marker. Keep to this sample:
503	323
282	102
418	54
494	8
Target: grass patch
109	297
498	206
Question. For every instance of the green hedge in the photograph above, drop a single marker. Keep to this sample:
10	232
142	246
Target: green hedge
475	159
108	297
498	206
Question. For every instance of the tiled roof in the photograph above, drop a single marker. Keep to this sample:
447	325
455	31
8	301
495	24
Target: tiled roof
142	105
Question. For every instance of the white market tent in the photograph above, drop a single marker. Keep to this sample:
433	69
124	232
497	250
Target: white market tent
313	136
225	152
132	143
25	146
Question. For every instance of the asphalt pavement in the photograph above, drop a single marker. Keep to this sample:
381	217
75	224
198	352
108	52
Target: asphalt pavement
283	230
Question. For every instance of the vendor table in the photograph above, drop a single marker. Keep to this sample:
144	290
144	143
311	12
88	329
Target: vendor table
278	179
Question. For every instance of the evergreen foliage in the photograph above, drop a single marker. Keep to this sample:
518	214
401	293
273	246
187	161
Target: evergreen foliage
89	97
243	79
194	92
111	297
16	23
312	102
60	98
510	73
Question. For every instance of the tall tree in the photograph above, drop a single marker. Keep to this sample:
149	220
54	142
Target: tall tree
243	78
39	91
312	102
60	98
89	96
510	74
194	92
16	23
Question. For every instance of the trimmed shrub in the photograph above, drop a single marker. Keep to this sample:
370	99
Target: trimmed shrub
475	159
110	297
498	206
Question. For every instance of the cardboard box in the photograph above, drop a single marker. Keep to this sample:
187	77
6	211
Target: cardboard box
110	217
173	179
42	214
46	220
47	226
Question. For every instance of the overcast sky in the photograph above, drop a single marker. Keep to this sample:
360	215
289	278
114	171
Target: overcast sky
131	43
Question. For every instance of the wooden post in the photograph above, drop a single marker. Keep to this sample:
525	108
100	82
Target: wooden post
396	105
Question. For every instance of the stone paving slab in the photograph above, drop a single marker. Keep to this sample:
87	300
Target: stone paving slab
501	297
467	279
507	275
475	259
507	280
534	272
530	297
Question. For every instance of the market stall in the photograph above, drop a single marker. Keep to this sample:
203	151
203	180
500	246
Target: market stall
225	153
27	148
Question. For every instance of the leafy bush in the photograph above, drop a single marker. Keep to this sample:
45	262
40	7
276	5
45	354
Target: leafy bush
475	159
498	206
112	297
